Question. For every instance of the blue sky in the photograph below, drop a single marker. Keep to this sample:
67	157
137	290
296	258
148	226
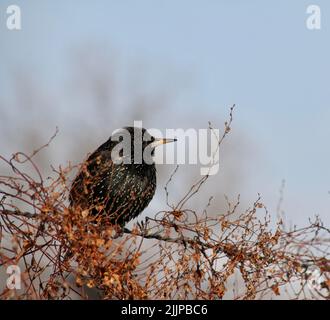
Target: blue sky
256	54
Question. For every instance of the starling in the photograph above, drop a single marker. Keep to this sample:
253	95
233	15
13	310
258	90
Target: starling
118	180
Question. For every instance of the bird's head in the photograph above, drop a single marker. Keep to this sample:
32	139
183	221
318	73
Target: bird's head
136	145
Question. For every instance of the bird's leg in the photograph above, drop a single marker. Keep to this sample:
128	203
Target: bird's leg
140	225
143	225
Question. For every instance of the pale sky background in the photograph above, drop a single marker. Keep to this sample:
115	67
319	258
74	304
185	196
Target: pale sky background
257	54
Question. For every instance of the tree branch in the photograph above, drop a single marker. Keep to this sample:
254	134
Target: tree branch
18	213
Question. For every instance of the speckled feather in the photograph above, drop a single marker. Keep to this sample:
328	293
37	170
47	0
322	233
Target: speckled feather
118	191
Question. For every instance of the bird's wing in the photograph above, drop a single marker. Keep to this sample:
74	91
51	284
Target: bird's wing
90	174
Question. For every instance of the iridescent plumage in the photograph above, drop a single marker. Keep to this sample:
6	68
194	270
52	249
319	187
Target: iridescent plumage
119	191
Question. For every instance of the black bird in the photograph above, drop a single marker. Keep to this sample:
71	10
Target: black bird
118	180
